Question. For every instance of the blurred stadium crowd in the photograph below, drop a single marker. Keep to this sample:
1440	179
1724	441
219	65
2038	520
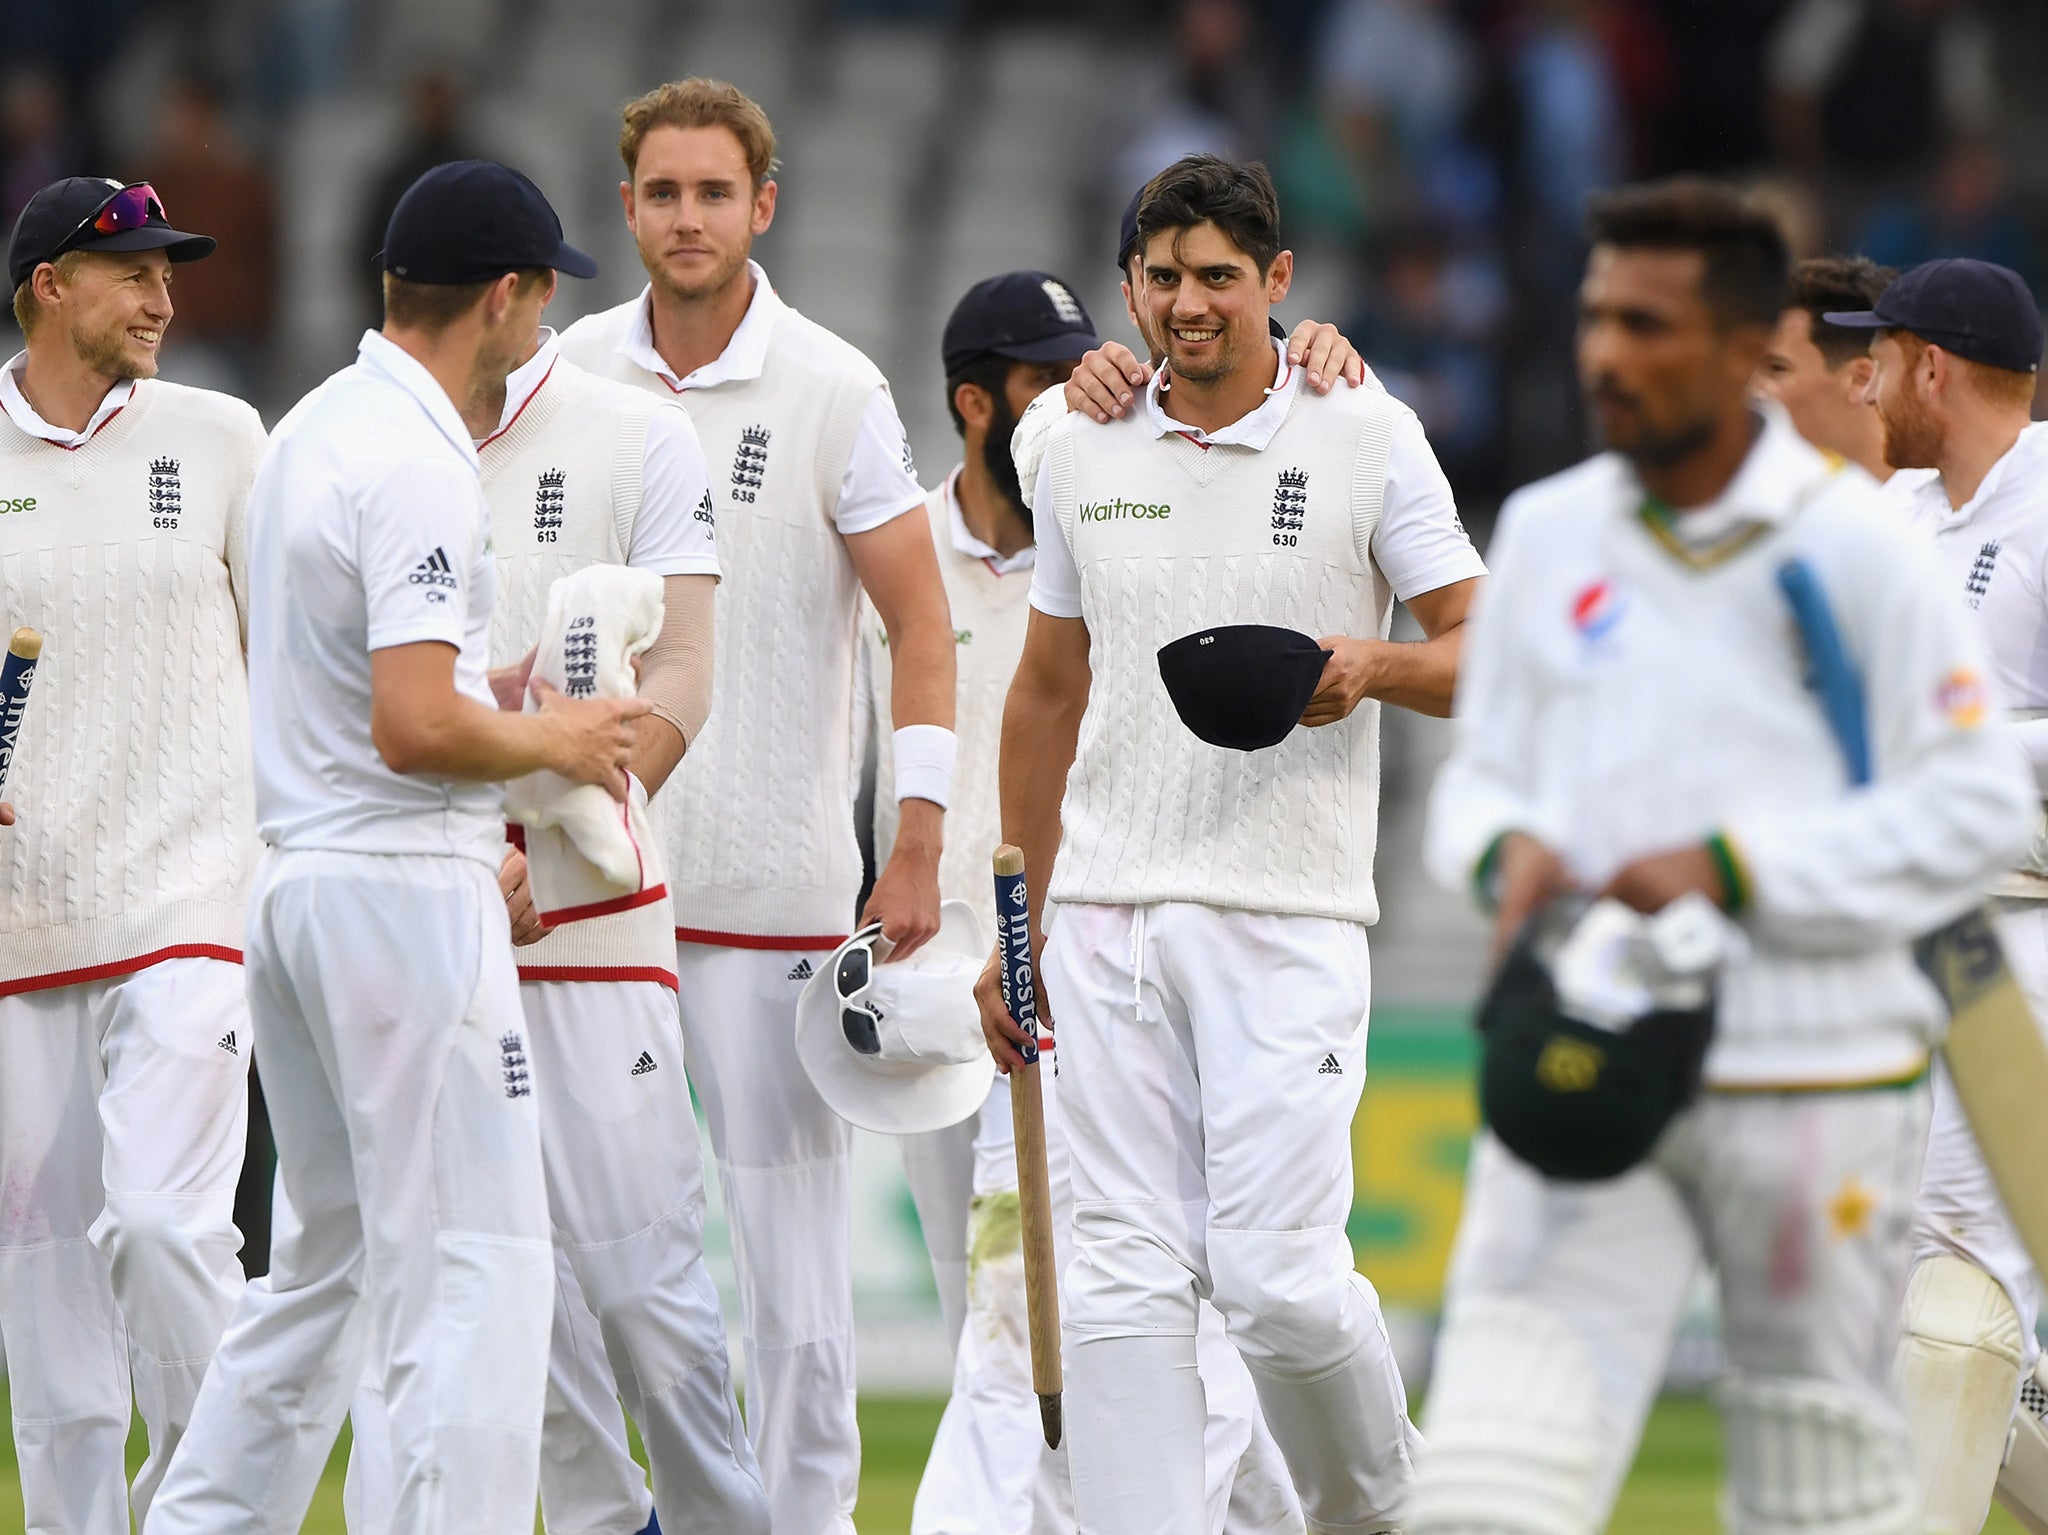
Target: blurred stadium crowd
1433	155
1433	158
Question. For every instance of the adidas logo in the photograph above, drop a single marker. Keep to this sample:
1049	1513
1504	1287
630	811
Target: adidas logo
1330	1068
644	1065
433	571
227	1043
802	972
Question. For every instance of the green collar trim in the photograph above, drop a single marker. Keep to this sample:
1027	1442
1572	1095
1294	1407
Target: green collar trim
1657	520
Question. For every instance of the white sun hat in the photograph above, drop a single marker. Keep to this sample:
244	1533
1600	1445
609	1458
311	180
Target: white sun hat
897	1048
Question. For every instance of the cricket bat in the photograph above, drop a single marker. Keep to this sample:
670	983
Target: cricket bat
17	673
1027	1115
1995	1051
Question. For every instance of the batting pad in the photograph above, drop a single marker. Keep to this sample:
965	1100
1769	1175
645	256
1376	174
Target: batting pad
1959	1372
1807	1457
1513	1427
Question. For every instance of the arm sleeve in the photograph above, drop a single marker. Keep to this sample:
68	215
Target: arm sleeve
235	550
1489	787
675	671
1055	579
418	530
676	531
1420	543
880	482
1027	442
1950	803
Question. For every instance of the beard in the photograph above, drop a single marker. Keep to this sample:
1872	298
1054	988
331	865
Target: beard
1912	438
703	288
1225	360
995	457
105	352
1646	444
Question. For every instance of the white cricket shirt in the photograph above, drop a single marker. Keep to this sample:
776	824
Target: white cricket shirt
25	416
670	538
880	482
1419	543
368	530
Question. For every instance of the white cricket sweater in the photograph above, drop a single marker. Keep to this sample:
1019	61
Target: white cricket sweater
563	483
990	615
759	817
137	829
1617	699
1168	536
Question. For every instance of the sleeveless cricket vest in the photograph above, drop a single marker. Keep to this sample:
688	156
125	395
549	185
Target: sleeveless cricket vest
990	614
1169	537
137	828
563	483
758	819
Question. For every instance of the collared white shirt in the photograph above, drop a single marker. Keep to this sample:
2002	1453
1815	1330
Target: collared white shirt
23	414
880	483
971	546
669	538
368	530
1774	482
1419	542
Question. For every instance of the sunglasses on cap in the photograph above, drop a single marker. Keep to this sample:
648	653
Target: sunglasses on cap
861	1024
126	208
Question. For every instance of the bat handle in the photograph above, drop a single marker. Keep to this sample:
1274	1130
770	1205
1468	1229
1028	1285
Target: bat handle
1027	1117
17	672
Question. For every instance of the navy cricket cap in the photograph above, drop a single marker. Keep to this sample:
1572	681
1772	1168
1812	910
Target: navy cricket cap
95	213
474	221
1024	316
1241	686
1127	234
1972	308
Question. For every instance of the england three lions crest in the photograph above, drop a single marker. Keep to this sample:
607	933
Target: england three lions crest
1290	506
166	494
750	463
549	497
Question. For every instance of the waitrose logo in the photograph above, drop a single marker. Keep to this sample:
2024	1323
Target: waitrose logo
1118	511
17	504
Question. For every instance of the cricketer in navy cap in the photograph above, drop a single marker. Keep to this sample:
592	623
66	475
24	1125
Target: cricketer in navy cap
1972	308
1024	316
473	221
95	213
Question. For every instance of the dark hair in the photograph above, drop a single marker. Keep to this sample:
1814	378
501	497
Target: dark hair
433	307
1821	283
987	371
1204	189
1748	262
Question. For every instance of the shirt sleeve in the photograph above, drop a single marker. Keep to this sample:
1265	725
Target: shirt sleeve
1486	788
880	483
1055	578
676	531
1950	802
235	550
1420	543
418	532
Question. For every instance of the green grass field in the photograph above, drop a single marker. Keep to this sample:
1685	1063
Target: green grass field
1670	1492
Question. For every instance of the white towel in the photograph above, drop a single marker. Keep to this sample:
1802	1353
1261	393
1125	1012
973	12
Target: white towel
583	848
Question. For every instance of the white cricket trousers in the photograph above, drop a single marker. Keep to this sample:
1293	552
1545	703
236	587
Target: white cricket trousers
1959	1210
414	1209
990	1471
785	1167
636	1312
1563	1299
123	1109
1211	1064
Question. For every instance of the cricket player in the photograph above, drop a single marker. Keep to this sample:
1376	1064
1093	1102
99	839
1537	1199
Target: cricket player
124	1038
1008	340
815	503
381	979
1820	372
582	471
1956	349
1207	970
1635	720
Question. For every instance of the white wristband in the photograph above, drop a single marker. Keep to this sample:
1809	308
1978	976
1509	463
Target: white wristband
924	763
